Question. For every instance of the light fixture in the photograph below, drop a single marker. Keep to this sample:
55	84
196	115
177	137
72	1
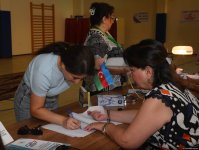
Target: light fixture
182	50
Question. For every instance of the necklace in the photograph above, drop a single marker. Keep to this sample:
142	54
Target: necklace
109	36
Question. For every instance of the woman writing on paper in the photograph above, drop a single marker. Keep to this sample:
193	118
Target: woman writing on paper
54	70
101	19
169	115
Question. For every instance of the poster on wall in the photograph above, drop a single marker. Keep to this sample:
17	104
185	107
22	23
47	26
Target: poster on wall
190	16
141	17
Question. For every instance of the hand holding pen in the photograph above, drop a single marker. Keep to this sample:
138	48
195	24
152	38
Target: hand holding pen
70	122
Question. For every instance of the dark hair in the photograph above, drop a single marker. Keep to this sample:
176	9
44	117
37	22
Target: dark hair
142	55
154	43
99	11
77	59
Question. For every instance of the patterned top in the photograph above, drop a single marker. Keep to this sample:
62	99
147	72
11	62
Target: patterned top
103	44
183	129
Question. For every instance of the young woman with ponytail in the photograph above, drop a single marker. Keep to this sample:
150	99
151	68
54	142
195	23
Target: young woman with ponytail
56	67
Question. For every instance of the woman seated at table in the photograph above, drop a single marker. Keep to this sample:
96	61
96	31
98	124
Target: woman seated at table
169	115
54	70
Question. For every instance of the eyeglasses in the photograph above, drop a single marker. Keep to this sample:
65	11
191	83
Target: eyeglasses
26	130
114	18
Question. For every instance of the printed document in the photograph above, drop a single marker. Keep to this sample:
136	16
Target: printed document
110	100
5	136
33	144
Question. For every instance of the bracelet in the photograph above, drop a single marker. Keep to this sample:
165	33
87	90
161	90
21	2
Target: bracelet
104	128
108	116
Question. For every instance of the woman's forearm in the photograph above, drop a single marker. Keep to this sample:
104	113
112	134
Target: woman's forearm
119	135
49	116
125	116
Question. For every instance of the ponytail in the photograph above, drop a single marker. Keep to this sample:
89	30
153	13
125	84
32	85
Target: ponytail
77	59
57	48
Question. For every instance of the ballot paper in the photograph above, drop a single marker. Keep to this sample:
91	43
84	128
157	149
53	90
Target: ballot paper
84	118
5	136
116	62
34	144
71	133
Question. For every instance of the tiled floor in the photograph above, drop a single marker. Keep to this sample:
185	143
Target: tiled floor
19	64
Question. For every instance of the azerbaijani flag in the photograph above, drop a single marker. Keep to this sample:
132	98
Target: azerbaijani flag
103	78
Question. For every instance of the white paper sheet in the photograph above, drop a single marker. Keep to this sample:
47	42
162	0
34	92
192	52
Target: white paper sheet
5	136
71	133
85	120
115	62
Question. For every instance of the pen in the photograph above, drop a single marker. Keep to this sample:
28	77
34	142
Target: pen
70	113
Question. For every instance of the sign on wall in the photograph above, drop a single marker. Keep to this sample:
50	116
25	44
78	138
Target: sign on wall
141	17
190	16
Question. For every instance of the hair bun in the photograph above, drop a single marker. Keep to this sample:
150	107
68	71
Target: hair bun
92	11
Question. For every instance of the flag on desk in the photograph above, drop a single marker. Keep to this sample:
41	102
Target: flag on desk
103	78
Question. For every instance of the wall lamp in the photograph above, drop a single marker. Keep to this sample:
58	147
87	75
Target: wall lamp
182	50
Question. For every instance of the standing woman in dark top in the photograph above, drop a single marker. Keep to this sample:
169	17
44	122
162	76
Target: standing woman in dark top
101	19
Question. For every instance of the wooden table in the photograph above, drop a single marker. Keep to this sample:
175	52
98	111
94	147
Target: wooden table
94	141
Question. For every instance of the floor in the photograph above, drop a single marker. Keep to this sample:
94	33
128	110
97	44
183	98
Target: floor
19	64
14	64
